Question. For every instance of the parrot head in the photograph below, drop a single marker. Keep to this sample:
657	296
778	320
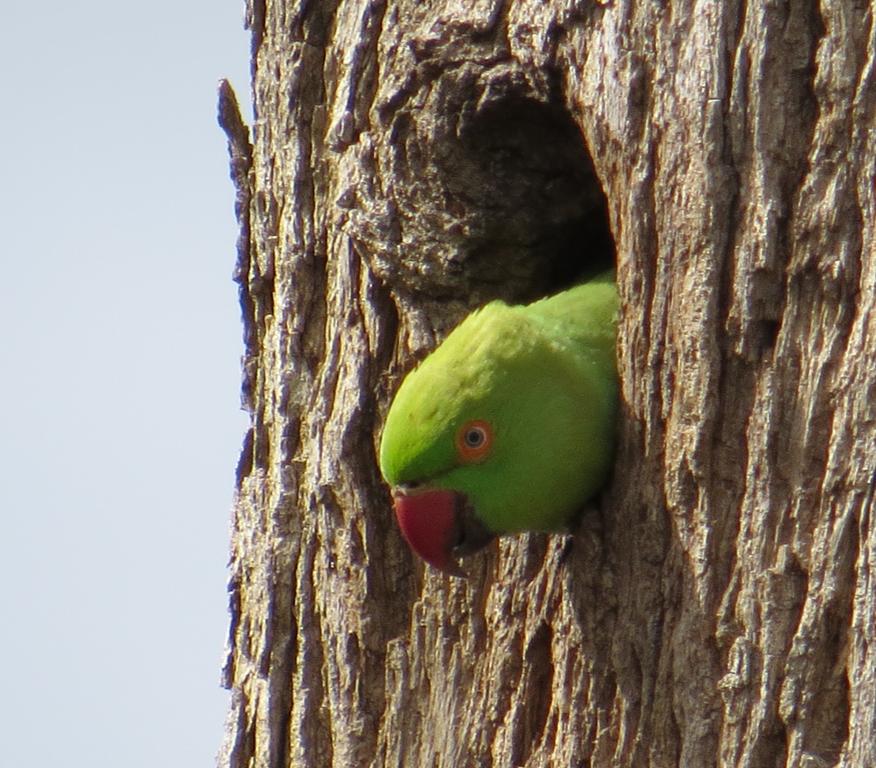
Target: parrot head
488	436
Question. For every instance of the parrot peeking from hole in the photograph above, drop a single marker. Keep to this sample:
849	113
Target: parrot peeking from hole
507	426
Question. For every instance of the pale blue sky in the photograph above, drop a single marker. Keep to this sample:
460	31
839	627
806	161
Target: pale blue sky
121	341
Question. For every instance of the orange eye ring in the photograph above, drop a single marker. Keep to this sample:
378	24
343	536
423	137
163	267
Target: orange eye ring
474	441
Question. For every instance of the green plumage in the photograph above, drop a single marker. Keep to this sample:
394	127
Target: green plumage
543	376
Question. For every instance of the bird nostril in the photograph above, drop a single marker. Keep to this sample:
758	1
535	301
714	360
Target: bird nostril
403	489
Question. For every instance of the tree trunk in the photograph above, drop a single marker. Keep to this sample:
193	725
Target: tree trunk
412	160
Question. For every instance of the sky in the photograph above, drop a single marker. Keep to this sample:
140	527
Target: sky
121	343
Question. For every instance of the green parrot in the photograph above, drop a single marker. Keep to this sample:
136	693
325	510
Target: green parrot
508	426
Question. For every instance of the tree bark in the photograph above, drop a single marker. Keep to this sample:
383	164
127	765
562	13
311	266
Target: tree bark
410	161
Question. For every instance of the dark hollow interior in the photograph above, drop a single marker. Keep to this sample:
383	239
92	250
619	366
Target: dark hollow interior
541	220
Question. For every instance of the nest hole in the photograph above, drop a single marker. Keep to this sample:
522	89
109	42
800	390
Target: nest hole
540	216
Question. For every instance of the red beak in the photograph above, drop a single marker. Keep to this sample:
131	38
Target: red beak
429	522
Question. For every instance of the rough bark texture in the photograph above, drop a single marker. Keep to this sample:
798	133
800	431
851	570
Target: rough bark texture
410	160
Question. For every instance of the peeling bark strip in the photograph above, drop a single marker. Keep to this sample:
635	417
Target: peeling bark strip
410	161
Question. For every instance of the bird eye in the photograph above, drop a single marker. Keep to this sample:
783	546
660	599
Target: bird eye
474	440
474	437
